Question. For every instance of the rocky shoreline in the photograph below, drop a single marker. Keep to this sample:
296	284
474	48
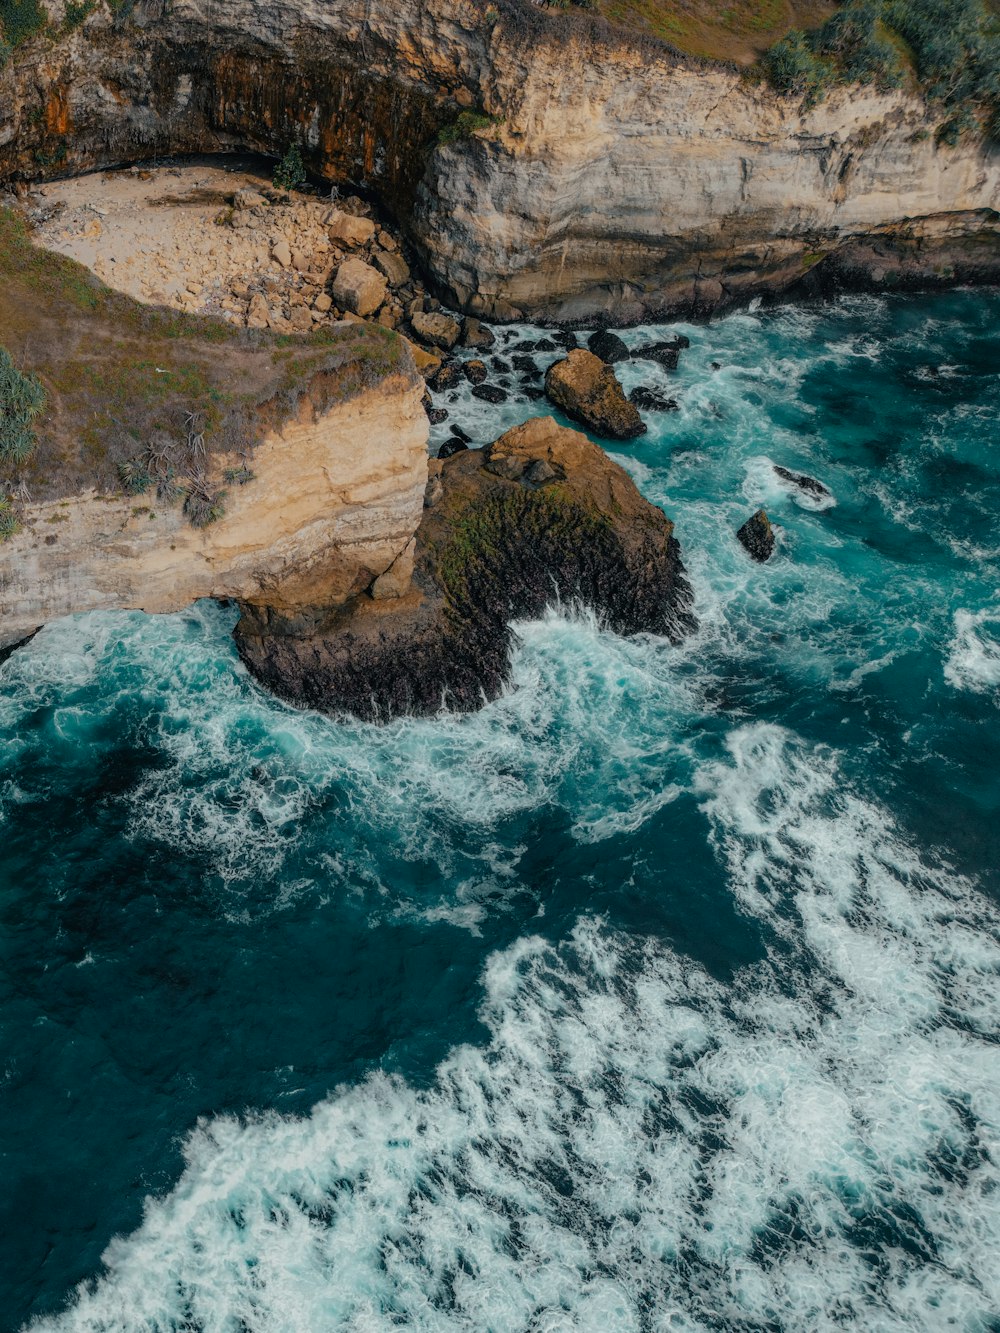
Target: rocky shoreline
540	515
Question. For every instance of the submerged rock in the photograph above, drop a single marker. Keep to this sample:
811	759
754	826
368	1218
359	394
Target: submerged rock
540	514
804	483
608	346
588	390
490	393
651	400
665	354
757	536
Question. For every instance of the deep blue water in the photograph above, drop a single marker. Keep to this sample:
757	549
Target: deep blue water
661	994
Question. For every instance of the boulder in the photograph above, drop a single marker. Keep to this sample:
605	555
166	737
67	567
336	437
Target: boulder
438	330
323	303
358	287
476	335
588	391
608	346
346	229
541	515
475	371
257	312
281	253
247	198
566	338
453	445
447	377
394	266
757	536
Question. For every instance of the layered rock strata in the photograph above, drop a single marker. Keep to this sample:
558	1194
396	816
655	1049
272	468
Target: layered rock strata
540	515
603	178
330	508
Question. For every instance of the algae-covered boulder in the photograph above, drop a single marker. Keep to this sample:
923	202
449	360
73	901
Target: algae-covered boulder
540	515
588	391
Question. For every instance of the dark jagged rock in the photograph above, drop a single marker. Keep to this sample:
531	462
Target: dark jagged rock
460	434
540	514
451	446
608	346
757	536
804	483
525	363
566	338
651	400
588	391
446	378
490	393
665	354
436	415
475	371
546	345
532	394
501	366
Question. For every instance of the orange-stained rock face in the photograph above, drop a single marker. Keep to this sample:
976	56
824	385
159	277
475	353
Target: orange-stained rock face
57	119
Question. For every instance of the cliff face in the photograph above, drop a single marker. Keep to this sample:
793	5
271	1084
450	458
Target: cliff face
334	502
618	180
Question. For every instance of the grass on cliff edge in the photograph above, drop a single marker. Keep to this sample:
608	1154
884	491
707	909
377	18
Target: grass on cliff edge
734	31
122	380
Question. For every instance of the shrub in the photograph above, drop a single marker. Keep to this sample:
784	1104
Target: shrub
792	67
22	398
467	124
290	172
21	19
8	520
955	46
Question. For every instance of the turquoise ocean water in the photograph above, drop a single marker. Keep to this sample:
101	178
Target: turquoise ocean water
661	994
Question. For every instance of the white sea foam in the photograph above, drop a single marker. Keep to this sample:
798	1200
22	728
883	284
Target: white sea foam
973	661
638	1145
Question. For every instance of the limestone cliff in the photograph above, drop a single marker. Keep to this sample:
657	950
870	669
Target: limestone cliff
335	498
617	179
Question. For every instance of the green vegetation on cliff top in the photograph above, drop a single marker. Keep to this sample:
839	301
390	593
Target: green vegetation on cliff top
949	50
119	395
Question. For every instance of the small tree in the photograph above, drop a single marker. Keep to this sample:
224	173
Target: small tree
290	172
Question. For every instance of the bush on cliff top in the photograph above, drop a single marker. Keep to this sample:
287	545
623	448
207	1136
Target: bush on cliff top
953	47
19	20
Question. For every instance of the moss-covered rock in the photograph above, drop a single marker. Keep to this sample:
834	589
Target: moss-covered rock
540	515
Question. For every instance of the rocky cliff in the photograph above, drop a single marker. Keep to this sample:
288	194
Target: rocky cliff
335	498
542	514
614	180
